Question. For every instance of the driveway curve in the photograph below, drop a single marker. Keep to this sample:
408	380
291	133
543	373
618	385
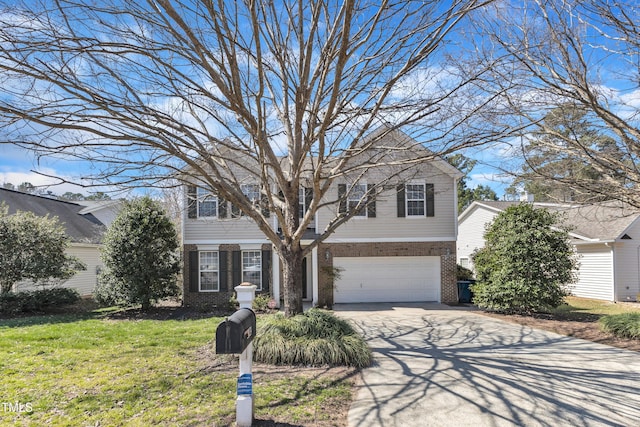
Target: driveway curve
436	365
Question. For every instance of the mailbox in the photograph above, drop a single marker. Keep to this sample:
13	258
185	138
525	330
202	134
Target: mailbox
234	334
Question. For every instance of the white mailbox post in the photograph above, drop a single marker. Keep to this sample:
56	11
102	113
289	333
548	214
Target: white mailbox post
246	293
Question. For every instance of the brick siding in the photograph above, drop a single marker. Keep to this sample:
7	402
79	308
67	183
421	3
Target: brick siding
206	300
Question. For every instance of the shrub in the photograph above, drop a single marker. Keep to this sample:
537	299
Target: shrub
626	325
526	264
39	300
33	248
140	257
315	338
463	273
261	302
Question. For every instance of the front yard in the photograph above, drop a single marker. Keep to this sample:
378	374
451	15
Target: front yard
98	369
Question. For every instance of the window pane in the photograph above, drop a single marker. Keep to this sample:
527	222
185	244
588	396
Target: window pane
301	201
208	261
252	191
209	281
356	194
209	271
252	267
207	203
415	199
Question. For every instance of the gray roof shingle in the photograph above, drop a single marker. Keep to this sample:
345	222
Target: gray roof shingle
81	228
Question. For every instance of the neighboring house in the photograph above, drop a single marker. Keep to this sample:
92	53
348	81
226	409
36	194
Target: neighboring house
605	236
81	224
400	248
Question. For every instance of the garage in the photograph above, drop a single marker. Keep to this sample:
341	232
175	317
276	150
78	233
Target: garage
387	279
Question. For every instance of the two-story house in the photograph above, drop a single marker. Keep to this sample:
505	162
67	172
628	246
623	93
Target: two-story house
399	247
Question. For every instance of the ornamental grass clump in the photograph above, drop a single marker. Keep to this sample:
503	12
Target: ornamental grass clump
315	338
625	325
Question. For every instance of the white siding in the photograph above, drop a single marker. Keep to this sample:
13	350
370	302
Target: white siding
627	264
386	226
595	274
84	281
233	230
471	232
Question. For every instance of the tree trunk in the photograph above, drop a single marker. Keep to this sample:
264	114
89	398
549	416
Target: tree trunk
291	258
291	254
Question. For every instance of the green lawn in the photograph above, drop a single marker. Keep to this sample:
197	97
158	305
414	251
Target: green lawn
89	370
577	306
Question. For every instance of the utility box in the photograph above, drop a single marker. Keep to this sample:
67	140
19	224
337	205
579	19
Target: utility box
236	332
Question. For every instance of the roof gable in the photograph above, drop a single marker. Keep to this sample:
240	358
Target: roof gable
606	221
80	227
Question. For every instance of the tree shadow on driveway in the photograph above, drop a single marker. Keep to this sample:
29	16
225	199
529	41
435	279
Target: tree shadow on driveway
449	367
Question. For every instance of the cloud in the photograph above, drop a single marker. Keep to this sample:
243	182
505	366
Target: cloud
41	181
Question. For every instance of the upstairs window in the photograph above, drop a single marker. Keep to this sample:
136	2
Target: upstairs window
415	199
251	192
356	197
207	204
359	194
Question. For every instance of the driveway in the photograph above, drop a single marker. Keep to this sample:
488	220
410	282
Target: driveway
442	366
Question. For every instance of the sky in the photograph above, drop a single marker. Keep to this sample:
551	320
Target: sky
18	165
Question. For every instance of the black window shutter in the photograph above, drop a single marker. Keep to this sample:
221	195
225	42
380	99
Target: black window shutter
266	270
192	202
308	197
401	201
371	201
342	191
430	196
194	271
236	267
222	207
223	271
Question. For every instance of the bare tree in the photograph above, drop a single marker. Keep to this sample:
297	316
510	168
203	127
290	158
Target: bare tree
577	55
209	92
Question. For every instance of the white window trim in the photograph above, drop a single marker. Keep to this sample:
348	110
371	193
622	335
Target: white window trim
259	285
208	271
424	199
364	214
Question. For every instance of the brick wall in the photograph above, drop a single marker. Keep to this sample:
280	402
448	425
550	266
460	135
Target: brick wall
209	299
445	250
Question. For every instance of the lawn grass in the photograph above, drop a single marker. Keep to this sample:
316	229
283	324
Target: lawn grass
575	306
90	370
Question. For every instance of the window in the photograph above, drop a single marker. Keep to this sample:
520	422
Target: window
252	267
415	199
302	207
356	196
252	191
209	272
464	262
207	204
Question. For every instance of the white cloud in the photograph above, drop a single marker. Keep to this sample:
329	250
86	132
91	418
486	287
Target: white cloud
42	181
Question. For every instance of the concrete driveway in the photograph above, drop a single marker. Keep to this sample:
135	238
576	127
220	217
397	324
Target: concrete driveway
442	366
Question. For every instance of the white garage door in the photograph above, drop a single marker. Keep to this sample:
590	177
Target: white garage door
387	279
